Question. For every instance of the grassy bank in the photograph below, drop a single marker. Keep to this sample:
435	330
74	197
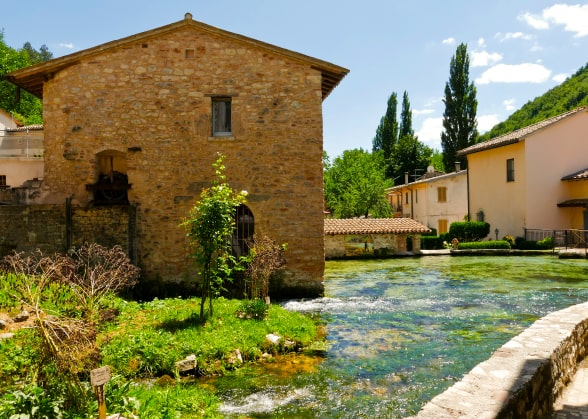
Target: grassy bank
141	342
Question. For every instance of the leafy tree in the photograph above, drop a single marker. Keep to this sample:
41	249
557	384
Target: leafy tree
355	185
28	109
209	228
35	56
459	117
387	131
436	161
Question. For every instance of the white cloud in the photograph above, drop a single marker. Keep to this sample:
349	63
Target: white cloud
430	132
484	58
481	42
536	22
509	104
561	77
417	112
448	41
67	45
518	73
486	122
572	17
502	37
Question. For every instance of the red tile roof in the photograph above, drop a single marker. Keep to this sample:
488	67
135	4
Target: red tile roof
518	135
373	226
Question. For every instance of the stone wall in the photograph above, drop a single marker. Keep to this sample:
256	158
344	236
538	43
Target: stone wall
55	228
150	102
524	377
383	245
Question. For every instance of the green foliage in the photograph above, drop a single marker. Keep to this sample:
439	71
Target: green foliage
489	244
256	309
545	244
28	109
434	242
355	185
567	96
150	337
459	117
387	132
209	227
31	402
467	231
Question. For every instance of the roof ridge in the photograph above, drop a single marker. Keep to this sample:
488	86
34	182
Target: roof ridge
516	135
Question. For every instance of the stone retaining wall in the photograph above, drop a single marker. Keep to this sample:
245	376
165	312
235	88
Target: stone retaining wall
524	377
55	228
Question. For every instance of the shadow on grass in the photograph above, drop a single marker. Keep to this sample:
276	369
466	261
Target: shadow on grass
192	321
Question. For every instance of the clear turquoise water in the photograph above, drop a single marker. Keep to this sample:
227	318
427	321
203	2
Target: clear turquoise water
401	331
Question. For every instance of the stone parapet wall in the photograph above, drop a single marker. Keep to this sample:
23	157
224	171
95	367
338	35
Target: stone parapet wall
524	377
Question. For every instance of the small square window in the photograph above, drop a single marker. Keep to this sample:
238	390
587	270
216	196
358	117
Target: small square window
190	53
510	170
221	117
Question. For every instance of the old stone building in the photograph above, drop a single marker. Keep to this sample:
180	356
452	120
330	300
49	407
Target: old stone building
139	122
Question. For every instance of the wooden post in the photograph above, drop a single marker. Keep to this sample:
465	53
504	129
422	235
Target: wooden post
99	377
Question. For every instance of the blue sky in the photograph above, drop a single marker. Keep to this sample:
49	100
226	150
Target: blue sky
518	49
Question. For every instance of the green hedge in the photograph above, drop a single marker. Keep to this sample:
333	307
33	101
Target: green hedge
491	244
469	231
433	242
545	244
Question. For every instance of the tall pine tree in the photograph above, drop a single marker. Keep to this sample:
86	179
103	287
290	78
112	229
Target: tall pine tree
387	132
409	154
459	118
405	118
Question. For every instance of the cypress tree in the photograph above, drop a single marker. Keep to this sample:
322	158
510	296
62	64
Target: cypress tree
459	117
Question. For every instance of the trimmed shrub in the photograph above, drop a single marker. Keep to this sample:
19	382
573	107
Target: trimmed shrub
433	242
491	244
545	244
469	231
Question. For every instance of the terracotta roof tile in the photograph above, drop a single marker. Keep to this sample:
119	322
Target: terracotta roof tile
36	127
518	135
373	226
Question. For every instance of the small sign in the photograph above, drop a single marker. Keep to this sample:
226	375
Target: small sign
100	376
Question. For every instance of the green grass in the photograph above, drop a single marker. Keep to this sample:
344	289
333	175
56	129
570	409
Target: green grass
141	345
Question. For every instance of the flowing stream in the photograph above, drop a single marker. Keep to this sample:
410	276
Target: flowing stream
400	331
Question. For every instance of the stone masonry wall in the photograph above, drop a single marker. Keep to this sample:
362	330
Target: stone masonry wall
151	101
50	228
524	377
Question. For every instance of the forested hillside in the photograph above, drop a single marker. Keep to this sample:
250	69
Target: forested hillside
23	106
571	94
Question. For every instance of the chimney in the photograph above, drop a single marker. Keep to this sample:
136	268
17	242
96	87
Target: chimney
406	178
457	166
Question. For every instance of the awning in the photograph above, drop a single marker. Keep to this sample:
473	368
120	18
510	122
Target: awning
582	202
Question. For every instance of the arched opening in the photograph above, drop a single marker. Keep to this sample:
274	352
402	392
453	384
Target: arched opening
244	229
112	182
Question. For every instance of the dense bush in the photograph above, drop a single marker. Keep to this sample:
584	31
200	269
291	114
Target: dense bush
469	231
433	242
491	244
545	244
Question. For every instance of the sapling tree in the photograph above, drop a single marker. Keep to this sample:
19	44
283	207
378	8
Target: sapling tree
209	229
